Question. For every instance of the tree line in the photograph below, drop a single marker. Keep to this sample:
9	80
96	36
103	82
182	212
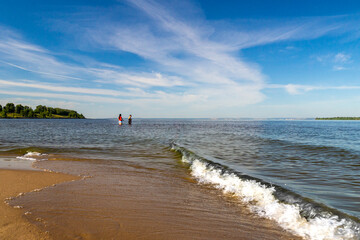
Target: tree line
20	111
338	118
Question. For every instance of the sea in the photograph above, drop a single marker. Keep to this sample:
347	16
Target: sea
301	175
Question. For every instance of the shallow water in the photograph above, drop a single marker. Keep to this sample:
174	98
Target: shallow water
302	175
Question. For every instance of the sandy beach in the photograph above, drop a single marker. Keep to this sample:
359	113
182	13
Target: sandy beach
14	182
135	203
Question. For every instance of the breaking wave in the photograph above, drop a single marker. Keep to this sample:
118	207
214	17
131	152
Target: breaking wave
291	211
32	156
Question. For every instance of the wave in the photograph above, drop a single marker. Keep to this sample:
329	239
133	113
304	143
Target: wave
32	156
291	211
13	150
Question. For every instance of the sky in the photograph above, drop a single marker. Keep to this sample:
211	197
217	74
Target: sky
183	59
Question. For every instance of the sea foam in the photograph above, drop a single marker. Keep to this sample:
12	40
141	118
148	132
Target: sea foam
31	156
262	201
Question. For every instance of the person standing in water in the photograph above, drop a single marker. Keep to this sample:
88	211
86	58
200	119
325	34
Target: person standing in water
120	119
130	119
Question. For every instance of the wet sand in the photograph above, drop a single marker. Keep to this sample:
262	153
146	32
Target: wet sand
13	225
135	202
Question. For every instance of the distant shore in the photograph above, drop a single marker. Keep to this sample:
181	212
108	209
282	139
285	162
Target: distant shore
19	111
339	118
15	116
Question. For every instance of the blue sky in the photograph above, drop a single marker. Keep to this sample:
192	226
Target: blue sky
208	58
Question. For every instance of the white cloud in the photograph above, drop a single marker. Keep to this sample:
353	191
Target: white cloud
39	72
338	62
190	68
129	93
295	89
140	79
20	54
339	68
52	87
81	98
342	58
204	54
177	46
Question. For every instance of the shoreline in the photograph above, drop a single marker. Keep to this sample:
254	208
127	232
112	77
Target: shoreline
15	182
120	201
142	206
129	201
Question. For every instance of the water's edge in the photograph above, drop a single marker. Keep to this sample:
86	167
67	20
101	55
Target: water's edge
290	210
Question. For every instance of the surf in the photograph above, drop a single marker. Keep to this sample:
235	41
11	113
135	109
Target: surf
294	213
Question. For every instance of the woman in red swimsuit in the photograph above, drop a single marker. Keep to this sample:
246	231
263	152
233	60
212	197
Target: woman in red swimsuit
120	119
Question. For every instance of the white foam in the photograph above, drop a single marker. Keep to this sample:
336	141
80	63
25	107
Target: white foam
31	156
262	201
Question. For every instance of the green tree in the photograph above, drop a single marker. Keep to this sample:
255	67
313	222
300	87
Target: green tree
72	114
10	108
3	114
51	110
42	115
46	114
25	112
40	109
18	108
62	112
31	114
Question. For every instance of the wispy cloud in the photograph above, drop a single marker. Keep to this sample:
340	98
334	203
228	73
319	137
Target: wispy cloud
71	97
337	61
54	88
139	79
204	54
342	58
190	67
17	53
296	89
39	72
176	45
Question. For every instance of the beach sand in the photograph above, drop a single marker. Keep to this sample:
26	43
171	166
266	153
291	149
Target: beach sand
13	182
132	202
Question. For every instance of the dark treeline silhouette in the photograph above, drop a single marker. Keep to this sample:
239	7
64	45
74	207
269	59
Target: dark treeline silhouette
20	111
